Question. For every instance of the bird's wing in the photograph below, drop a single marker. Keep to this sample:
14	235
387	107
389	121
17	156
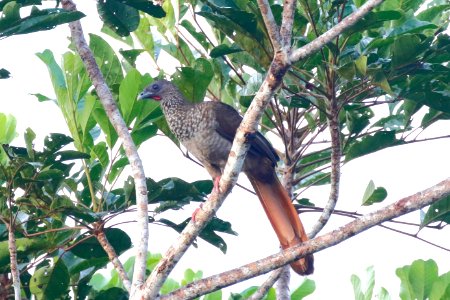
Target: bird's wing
228	120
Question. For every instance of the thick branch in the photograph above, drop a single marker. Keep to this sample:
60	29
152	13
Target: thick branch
399	208
271	25
116	119
328	36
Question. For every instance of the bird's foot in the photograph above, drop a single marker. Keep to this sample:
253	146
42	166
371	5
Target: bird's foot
249	136
194	214
216	187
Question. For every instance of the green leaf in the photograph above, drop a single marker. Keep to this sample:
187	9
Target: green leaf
438	211
361	65
55	141
306	288
112	293
441	288
128	91
29	138
7	128
147	7
194	81
373	195
224	49
372	143
405	49
48	283
145	37
107	60
417	279
412	25
200	37
432	13
4	73
91	248
370	284
100	152
38	20
118	16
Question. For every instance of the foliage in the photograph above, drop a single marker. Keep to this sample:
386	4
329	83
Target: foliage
420	280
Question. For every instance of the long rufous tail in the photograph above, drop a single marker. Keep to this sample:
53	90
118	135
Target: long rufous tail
284	219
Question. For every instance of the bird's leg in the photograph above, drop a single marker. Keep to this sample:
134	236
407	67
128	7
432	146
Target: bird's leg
216	187
196	211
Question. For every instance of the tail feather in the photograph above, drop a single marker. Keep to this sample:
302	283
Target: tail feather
284	219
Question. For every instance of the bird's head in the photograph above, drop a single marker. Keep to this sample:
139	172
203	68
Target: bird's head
158	90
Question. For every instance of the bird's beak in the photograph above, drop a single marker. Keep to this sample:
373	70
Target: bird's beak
144	95
148	95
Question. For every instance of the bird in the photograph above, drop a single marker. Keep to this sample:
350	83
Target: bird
207	130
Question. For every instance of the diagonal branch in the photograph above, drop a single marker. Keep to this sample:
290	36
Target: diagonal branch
271	25
116	119
328	36
399	208
114	259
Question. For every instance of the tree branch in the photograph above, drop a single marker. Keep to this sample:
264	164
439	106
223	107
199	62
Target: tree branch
271	25
113	257
265	287
333	125
399	208
116	119
328	36
13	261
287	22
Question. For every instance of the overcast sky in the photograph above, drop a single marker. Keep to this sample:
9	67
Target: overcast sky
402	171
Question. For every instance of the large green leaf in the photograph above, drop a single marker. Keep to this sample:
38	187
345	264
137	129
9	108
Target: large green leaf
306	288
38	20
91	248
194	81
372	143
118	16
417	279
438	211
107	60
357	285
50	283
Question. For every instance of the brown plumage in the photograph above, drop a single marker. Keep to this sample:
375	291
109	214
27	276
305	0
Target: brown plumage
207	130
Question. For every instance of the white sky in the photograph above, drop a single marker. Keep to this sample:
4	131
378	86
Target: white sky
401	170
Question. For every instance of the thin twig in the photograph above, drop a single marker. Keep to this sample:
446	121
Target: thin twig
114	259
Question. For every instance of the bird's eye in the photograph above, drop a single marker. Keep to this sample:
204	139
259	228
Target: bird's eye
155	86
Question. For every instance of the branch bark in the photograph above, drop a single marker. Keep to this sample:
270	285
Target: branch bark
399	208
271	25
114	259
116	119
335	176
13	261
